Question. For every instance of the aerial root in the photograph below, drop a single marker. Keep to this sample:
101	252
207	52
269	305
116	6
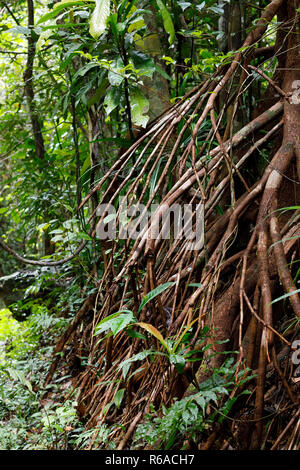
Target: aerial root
236	280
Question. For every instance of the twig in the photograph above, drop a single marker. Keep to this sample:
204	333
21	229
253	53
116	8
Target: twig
279	90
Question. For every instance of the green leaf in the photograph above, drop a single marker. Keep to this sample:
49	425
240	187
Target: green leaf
43	38
289	208
119	397
18	375
116	72
283	240
112	99
216	9
115	78
139	106
112	21
179	361
109	218
201	6
142	62
86	165
154	177
83	70
125	7
99	18
107	407
136	371
115	322
59	7
162	72
169	60
135	334
125	365
210	395
184	5
167	20
285	296
20	30
83	236
182	335
154	293
201	402
100	91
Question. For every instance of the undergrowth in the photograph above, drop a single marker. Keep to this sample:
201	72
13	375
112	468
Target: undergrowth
27	420
188	418
35	417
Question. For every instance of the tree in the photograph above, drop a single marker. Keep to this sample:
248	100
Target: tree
229	142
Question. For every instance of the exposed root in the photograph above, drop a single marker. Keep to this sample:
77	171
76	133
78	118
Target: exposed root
235	281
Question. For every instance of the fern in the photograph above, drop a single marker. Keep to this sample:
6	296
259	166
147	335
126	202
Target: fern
189	417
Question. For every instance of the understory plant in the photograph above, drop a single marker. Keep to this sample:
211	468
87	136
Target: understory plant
188	418
28	421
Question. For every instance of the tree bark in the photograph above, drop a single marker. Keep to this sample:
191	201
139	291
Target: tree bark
29	90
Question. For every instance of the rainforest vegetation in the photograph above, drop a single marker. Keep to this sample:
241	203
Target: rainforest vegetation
110	109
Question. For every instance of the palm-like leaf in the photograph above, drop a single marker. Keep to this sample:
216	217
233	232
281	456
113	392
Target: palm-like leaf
99	18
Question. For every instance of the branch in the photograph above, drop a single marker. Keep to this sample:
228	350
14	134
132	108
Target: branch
12	252
12	52
269	80
11	13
